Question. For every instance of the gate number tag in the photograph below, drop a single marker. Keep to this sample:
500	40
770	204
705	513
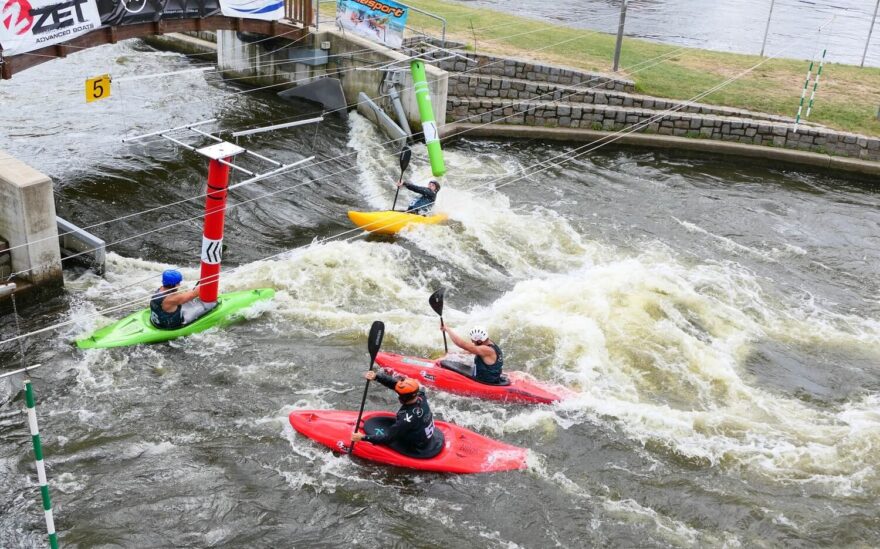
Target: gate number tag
97	88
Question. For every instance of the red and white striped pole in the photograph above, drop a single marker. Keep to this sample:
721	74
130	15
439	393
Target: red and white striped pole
212	236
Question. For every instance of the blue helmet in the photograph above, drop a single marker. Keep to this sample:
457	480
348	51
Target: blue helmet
171	277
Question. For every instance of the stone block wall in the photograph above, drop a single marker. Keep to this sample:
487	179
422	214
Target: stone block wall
467	85
525	70
682	124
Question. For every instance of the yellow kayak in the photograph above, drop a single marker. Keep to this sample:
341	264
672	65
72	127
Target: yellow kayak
391	222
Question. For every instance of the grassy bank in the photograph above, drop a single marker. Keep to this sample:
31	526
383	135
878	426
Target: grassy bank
848	96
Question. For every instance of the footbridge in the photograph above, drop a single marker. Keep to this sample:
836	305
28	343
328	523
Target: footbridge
124	19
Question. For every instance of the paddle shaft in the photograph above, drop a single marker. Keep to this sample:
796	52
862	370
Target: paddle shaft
445	345
357	424
397	192
405	155
374	342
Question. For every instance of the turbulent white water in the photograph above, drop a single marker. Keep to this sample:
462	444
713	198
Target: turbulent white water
718	322
655	343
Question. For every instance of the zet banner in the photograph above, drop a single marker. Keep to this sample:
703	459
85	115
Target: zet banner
27	25
383	21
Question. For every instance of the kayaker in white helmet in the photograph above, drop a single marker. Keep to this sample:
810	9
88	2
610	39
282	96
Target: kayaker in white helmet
422	204
488	358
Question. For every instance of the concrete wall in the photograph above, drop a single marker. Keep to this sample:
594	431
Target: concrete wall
238	59
27	219
613	118
5	259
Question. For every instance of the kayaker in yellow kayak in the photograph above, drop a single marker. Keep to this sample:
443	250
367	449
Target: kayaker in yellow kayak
170	309
422	204
488	358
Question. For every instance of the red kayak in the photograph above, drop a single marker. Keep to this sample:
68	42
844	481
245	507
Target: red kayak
463	451
522	387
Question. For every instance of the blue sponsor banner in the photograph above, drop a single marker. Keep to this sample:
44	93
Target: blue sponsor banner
382	21
267	10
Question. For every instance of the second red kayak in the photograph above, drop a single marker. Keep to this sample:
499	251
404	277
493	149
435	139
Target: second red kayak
463	451
523	388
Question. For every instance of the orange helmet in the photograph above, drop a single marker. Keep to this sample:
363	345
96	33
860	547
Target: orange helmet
407	387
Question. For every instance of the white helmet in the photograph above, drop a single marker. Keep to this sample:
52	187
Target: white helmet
478	333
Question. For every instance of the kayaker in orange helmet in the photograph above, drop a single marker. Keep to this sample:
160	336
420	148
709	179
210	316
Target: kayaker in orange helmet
488	358
422	205
412	432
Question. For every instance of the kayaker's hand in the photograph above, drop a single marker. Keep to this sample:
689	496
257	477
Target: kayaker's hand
370	375
357	437
443	328
400	184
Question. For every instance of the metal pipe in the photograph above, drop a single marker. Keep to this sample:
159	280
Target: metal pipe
160	132
7	289
19	371
870	31
278	126
767	28
280	170
398	109
619	43
252	153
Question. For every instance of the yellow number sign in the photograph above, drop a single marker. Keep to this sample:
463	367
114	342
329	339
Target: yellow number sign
97	88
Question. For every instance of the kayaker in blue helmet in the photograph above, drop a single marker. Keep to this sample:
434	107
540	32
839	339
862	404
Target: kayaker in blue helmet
488	358
171	308
422	205
412	432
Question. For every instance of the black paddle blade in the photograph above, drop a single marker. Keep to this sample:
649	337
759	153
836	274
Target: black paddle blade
405	155
436	301
377	332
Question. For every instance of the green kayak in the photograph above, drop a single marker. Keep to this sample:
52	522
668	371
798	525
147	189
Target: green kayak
137	328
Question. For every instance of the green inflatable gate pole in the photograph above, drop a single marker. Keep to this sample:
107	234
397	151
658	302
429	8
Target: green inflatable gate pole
426	113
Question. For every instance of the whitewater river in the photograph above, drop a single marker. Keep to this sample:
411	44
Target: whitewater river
719	319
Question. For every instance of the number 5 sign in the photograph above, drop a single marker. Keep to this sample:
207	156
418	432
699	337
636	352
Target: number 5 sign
97	88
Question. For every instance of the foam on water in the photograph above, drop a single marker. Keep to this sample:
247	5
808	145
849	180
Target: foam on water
655	344
657	347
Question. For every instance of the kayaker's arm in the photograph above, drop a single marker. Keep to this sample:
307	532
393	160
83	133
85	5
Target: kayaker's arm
385	379
487	353
424	191
176	299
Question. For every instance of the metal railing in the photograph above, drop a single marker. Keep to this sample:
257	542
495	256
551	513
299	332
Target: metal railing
299	11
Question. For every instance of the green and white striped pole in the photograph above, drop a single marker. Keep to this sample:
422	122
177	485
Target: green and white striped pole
426	113
9	289
816	84
797	119
41	468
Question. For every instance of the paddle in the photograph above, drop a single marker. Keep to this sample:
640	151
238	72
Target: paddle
436	301
377	332
405	155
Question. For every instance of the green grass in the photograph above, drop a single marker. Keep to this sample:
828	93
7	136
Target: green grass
847	99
